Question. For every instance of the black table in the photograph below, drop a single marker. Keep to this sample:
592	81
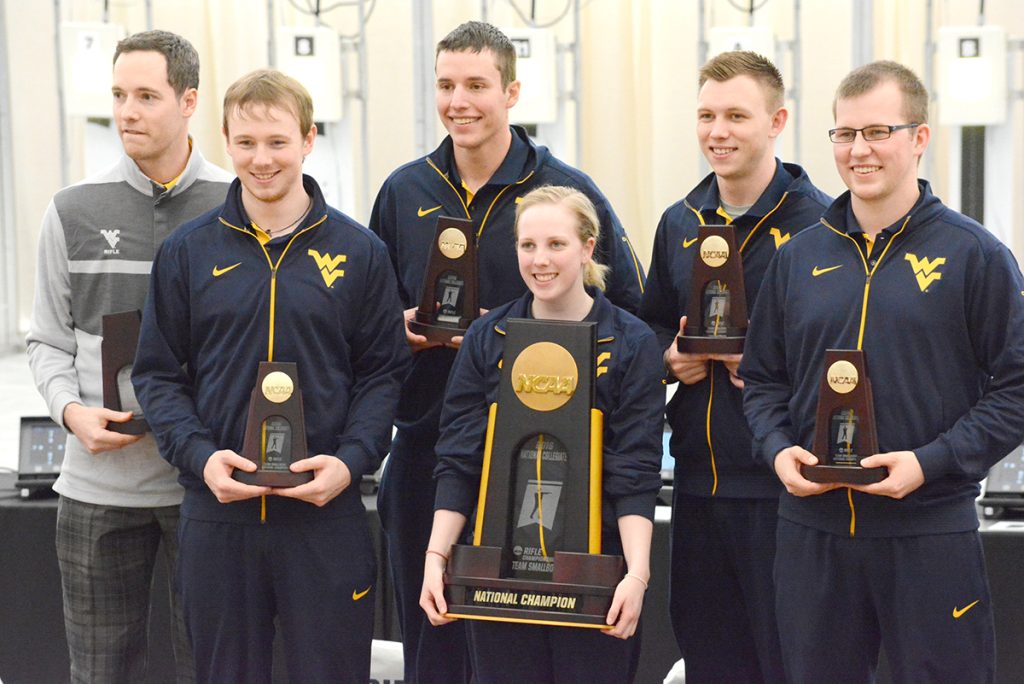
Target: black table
33	647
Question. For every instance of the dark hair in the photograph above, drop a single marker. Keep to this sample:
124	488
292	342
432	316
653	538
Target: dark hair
477	36
182	59
866	78
729	65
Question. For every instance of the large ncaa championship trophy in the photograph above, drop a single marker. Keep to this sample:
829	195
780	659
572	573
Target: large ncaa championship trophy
536	552
275	430
844	433
449	301
117	355
716	309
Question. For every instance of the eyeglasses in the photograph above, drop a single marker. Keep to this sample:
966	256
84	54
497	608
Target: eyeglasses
876	133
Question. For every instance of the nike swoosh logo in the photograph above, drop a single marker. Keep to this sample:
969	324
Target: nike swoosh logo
421	212
688	243
218	272
958	612
356	595
820	271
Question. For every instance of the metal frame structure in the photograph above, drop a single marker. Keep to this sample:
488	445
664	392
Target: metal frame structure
998	205
8	232
341	139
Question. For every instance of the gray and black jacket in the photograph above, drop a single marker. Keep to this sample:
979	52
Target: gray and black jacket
96	248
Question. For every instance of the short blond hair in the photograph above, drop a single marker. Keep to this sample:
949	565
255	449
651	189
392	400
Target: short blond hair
269	88
728	65
868	77
587	223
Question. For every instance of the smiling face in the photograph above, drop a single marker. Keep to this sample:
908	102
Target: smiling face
552	255
471	102
736	129
151	119
883	172
267	148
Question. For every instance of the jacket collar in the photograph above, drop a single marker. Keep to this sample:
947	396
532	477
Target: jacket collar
522	159
233	212
840	214
131	172
600	313
788	178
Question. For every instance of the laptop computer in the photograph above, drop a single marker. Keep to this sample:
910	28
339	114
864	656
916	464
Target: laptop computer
40	455
1004	488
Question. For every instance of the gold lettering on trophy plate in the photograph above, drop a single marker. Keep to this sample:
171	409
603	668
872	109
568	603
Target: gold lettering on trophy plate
714	251
842	377
452	243
277	387
528	600
544	376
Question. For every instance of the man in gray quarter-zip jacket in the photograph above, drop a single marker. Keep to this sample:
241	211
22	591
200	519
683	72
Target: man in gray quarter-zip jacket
119	500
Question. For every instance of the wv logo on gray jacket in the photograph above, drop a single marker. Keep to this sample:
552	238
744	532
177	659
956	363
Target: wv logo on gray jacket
112	237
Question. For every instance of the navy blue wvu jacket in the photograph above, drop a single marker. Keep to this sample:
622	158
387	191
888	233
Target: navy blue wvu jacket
629	393
938	308
220	302
710	438
405	214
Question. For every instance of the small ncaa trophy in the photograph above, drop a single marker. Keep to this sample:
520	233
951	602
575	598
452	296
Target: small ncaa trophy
117	355
275	430
536	552
845	430
717	305
449	302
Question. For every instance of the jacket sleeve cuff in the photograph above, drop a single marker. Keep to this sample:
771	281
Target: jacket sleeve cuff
358	461
636	504
59	403
455	494
935	458
773	443
198	452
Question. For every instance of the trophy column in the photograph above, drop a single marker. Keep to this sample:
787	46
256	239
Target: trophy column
845	427
536	553
117	355
275	430
716	308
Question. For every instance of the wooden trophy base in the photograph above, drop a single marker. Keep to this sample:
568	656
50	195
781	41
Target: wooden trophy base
437	333
272	478
135	426
687	344
579	595
829	474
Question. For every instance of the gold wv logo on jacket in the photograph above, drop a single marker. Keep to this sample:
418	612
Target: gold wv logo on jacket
328	266
924	269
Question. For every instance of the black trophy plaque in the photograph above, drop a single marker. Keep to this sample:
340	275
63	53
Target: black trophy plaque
716	309
275	431
845	429
536	553
117	355
449	302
